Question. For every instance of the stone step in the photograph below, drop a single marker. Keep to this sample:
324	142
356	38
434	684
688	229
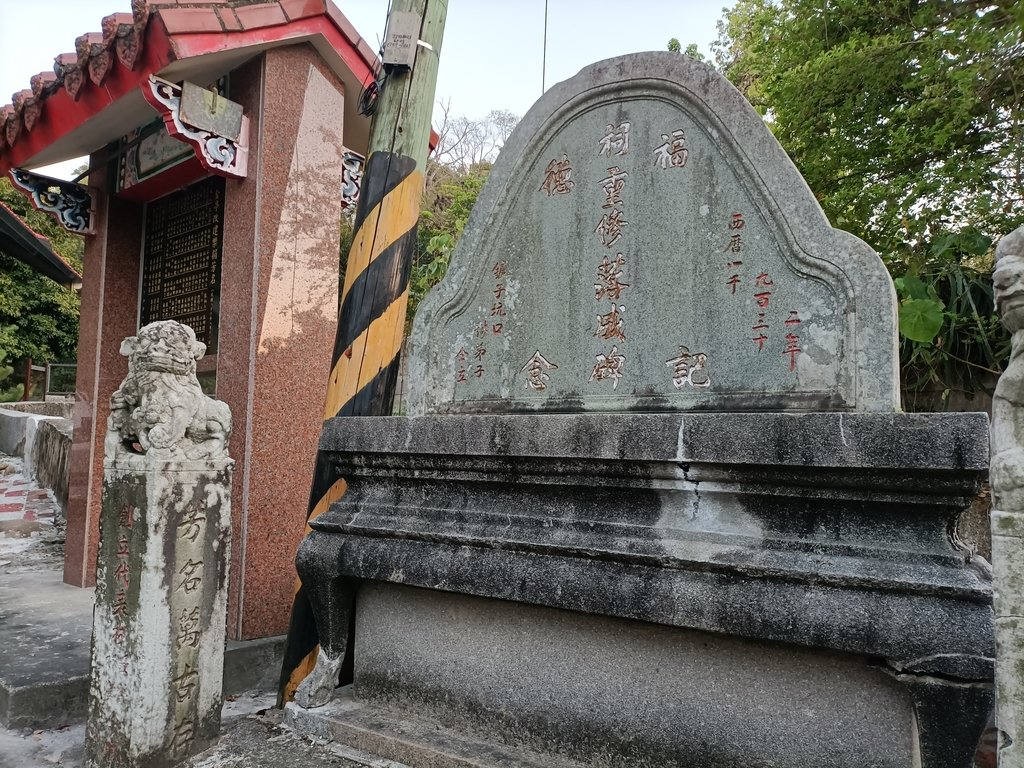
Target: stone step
45	633
407	739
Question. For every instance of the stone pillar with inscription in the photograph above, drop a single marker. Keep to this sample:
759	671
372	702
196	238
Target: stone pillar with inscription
161	584
1007	476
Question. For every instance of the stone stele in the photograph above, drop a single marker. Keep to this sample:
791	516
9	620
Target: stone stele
161	580
654	505
644	243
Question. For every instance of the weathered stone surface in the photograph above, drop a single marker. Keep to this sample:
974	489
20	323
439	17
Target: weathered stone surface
413	739
644	205
760	541
609	692
940	441
160	411
44	650
51	455
161	582
1008	504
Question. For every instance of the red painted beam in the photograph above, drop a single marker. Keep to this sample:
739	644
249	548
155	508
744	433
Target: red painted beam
176	177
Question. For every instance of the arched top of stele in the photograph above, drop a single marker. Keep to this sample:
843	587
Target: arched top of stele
643	243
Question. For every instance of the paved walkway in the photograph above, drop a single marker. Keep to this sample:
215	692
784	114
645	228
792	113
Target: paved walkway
31	523
21	501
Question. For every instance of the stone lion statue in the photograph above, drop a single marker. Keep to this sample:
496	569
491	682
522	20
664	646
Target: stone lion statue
160	409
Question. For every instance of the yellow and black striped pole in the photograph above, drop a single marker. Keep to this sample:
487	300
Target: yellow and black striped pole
371	319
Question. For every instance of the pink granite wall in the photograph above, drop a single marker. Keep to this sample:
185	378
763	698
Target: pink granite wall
278	315
109	311
278	310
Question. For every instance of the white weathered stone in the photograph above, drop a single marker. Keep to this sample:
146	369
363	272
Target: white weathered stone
161	579
160	405
1007	476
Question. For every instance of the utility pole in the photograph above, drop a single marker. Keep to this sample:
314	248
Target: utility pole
544	54
371	319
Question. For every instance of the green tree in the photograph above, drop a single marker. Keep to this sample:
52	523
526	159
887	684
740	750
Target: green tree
454	176
674	46
38	317
446	205
8	392
693	52
905	117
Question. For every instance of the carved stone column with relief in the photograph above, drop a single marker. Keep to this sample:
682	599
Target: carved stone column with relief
1007	476
161	580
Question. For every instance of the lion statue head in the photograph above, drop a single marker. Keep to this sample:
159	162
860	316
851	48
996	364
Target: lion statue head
160	408
1008	280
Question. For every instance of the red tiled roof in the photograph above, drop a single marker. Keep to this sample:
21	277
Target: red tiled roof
109	64
16	237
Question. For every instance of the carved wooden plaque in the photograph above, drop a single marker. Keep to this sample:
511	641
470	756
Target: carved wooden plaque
181	258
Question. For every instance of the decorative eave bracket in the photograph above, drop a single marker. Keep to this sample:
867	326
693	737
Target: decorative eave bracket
218	154
73	205
352	164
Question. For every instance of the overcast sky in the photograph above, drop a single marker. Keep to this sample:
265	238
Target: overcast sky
492	53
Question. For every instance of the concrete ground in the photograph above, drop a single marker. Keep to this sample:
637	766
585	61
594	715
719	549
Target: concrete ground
45	627
253	736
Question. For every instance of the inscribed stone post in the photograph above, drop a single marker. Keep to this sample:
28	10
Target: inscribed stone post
1008	505
161	583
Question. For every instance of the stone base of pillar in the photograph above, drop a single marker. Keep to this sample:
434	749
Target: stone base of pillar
158	626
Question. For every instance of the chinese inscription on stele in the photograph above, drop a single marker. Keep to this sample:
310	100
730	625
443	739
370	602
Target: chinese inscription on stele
636	247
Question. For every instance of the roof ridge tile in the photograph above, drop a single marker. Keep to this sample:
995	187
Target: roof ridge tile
114	26
180	21
30	111
84	45
258	15
12	127
41	83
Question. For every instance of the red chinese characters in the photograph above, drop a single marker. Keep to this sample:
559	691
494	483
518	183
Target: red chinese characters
792	339
478	355
762	297
558	177
492	323
608	285
460	358
609	278
735	248
122	573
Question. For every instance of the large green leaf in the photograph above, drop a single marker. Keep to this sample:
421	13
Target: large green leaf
920	319
912	287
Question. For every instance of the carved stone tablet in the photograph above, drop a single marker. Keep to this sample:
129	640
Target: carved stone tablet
644	243
156	691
